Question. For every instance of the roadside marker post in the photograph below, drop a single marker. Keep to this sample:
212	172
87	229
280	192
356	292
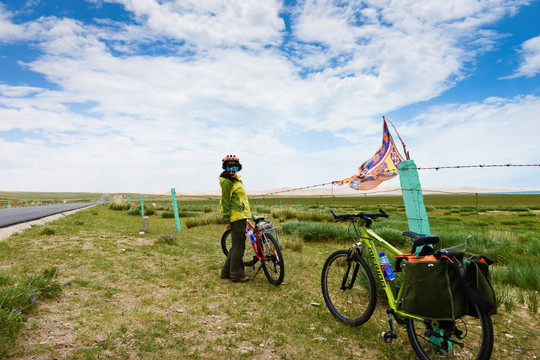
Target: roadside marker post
175	208
142	205
145	224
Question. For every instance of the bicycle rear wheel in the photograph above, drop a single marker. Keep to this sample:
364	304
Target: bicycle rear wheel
249	259
273	267
469	337
348	287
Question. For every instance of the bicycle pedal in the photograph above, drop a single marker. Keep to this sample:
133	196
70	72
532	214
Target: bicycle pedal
388	337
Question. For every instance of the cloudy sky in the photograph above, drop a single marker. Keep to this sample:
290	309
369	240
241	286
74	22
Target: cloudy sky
146	95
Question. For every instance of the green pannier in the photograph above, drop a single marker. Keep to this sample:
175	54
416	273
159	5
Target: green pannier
433	291
478	271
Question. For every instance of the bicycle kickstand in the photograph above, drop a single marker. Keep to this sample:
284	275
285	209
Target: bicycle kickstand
259	269
389	336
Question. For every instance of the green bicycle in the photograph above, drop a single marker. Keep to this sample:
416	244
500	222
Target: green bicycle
350	293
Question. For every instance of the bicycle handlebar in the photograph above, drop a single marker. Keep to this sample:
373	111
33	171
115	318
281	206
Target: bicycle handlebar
367	217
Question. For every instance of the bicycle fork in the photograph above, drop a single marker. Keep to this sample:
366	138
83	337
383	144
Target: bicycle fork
344	284
388	336
260	253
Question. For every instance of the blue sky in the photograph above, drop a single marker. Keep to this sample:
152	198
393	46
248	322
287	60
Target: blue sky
146	95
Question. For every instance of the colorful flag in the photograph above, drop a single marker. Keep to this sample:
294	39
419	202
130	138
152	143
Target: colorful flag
381	167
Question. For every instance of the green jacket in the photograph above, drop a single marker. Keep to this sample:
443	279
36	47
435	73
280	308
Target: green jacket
234	201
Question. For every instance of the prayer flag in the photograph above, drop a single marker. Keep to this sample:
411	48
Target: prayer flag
381	167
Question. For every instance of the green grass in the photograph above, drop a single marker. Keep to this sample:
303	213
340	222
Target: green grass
19	298
154	296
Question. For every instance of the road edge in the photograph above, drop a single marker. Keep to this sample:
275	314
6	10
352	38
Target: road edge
6	232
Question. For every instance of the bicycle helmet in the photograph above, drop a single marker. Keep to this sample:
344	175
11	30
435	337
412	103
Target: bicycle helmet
231	163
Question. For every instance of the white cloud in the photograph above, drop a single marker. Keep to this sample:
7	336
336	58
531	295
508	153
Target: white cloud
8	30
530	59
131	120
495	131
211	23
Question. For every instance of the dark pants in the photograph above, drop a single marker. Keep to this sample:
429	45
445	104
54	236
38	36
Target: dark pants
234	265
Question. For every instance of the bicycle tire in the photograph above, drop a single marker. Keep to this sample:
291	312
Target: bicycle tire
477	342
355	302
249	259
273	267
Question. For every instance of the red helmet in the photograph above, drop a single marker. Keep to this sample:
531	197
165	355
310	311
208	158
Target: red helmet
231	160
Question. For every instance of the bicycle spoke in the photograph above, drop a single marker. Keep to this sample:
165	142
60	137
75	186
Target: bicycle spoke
348	288
470	337
273	263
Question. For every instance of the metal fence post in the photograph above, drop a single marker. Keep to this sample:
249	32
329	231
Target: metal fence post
175	208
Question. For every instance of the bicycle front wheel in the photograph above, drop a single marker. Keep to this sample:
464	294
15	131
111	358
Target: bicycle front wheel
469	337
273	267
249	259
348	287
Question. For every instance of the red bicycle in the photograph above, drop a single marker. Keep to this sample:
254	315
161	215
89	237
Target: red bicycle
266	246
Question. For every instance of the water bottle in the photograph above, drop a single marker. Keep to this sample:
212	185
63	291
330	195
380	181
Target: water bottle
251	236
387	267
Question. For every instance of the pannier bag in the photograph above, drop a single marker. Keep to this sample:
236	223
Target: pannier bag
446	285
434	290
478	272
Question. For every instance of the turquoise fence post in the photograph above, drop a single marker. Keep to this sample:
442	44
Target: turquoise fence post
26	203
142	205
8	204
298	205
129	198
412	197
175	207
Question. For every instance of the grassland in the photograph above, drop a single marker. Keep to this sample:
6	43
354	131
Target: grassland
21	198
127	295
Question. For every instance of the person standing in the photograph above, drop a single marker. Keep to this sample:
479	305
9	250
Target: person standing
235	212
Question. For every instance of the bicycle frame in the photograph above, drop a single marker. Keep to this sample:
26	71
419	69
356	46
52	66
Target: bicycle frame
371	238
257	245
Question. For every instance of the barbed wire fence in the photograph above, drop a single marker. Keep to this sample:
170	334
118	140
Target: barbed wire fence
481	223
360	194
418	168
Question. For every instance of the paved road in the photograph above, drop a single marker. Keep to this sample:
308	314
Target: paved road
14	216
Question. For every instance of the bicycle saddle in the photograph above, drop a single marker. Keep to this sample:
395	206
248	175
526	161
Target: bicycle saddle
420	239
